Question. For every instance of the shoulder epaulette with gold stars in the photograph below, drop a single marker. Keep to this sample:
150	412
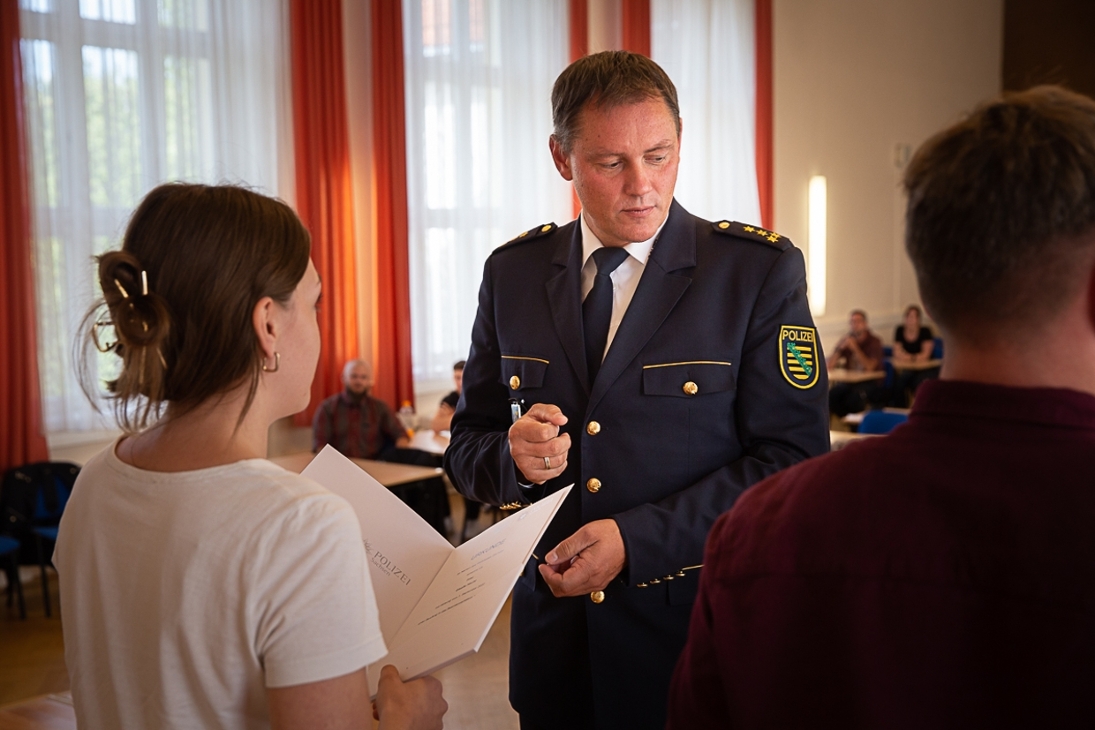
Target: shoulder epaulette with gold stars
752	233
534	233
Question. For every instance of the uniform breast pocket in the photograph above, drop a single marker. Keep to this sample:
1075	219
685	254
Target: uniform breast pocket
689	379
521	372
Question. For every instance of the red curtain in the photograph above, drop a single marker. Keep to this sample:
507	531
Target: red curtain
635	19
393	376
579	29
579	46
21	438
324	183
764	111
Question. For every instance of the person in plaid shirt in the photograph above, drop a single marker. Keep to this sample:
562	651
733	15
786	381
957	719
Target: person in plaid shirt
355	423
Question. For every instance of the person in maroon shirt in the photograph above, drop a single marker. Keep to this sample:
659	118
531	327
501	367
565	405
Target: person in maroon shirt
944	575
354	422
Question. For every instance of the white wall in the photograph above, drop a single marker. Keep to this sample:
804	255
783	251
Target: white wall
853	79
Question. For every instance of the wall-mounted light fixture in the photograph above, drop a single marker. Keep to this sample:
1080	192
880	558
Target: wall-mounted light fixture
816	263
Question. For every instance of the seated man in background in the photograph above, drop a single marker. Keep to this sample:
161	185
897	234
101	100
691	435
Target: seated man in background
355	423
942	576
859	350
361	426
443	418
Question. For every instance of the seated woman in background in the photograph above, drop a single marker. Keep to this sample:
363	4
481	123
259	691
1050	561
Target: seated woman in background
913	343
201	585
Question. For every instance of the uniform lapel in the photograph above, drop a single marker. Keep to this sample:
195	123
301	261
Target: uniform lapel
659	290
564	291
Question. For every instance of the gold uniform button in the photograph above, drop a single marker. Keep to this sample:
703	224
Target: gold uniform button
523	234
668	577
640	585
597	596
545	229
515	382
724	225
691	388
593	428
680	573
654	581
594	485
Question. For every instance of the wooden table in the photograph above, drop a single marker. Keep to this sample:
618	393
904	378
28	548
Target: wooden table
839	439
843	375
430	441
388	474
48	712
922	365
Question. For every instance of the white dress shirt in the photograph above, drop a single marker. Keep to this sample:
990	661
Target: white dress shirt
625	279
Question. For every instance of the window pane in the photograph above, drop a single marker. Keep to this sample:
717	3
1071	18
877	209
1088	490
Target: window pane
37	6
38	62
436	27
440	143
50	301
113	126
115	11
188	129
190	14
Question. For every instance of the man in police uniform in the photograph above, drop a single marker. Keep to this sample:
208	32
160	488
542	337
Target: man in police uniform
710	378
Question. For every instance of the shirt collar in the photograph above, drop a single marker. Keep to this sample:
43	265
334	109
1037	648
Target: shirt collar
640	250
999	403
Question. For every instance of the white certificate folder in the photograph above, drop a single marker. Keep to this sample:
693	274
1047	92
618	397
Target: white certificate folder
436	602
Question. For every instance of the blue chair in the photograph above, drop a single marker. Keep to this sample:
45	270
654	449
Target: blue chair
937	348
32	500
46	517
881	422
9	546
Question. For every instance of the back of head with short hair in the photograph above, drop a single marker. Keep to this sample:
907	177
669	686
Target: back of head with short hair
608	79
1001	213
208	255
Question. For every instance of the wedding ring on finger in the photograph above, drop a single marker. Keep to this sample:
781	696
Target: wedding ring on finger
547	462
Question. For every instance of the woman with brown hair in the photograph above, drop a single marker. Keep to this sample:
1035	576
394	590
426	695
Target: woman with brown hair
913	343
201	585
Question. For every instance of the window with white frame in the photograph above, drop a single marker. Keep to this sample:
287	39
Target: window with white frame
122	95
708	48
478	107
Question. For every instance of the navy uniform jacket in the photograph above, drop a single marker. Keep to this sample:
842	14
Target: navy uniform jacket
713	381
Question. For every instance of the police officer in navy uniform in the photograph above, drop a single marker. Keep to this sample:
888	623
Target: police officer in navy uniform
709	378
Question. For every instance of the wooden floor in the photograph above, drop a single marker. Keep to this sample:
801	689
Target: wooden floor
32	664
33	655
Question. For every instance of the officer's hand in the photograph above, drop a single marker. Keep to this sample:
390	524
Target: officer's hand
535	436
586	561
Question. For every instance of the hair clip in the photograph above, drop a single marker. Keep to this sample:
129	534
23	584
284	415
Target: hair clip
144	282
125	294
95	336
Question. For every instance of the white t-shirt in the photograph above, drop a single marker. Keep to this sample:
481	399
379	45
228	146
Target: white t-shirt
185	595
